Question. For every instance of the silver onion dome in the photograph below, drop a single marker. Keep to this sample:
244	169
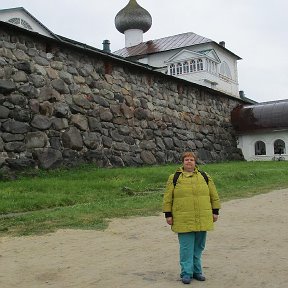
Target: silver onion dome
133	16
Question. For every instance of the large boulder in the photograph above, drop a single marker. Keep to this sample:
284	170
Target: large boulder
72	139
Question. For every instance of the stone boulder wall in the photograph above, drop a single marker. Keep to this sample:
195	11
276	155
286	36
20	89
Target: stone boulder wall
69	106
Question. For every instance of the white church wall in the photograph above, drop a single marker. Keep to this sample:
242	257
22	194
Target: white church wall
229	59
247	144
198	77
159	59
227	85
217	82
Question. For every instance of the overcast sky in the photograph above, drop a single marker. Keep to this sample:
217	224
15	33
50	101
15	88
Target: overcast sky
255	30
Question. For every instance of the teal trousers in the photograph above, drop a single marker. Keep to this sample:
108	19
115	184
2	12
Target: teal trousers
191	245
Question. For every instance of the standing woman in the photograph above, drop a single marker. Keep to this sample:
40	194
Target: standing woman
191	207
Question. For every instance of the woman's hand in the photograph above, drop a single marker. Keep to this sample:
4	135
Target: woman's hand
215	217
169	220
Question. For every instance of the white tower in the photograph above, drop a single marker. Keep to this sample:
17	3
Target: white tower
133	21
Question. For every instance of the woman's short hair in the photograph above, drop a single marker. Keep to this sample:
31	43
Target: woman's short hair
188	154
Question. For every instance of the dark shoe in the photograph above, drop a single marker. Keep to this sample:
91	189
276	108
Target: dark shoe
199	277
186	279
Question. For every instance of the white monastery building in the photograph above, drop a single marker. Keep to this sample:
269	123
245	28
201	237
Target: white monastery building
262	130
188	56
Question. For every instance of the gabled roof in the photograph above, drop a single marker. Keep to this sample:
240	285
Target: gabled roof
163	44
23	11
210	53
166	44
183	55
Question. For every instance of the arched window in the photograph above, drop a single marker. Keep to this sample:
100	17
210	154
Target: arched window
26	25
172	69
15	21
279	147
20	22
199	65
179	68
185	67
192	66
225	70
260	148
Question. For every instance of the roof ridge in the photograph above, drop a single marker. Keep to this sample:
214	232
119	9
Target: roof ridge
177	35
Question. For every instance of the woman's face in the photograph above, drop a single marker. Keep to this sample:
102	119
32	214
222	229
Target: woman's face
189	164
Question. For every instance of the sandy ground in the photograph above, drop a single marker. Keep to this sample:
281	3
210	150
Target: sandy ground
249	248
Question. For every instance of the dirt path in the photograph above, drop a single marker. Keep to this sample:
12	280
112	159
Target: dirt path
249	248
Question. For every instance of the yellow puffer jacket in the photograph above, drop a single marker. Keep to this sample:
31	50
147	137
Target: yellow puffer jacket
191	202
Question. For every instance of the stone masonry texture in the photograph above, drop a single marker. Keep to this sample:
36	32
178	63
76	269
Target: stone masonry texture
63	105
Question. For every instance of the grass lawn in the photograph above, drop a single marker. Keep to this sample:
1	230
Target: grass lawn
87	197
